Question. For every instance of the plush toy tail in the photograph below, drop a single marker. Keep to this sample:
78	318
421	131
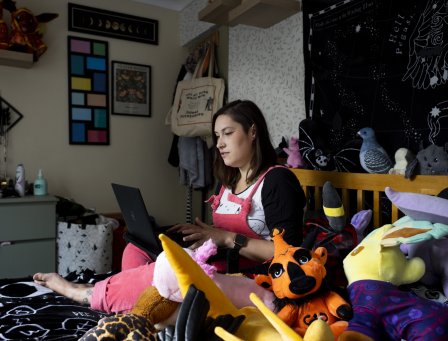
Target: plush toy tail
333	208
153	307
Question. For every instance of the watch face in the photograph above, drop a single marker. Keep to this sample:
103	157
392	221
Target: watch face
240	241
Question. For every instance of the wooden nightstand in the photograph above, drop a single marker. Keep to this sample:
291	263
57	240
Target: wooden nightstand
27	235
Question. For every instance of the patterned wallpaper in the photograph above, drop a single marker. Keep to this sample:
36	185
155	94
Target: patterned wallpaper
190	28
265	66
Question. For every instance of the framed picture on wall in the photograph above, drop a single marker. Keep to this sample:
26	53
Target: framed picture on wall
88	89
101	22
131	89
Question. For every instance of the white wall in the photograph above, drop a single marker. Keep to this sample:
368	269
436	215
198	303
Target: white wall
139	147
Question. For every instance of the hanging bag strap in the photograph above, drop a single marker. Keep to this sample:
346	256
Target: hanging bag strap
207	62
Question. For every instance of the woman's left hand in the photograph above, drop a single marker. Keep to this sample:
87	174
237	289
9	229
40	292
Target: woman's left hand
199	232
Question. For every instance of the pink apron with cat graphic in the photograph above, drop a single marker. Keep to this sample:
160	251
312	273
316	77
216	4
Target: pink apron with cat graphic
236	222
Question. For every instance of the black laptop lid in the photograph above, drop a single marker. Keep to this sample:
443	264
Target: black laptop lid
141	227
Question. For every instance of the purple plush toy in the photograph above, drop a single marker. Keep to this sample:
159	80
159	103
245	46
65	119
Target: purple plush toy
434	253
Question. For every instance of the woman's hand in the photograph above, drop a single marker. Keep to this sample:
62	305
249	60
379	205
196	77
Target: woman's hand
199	232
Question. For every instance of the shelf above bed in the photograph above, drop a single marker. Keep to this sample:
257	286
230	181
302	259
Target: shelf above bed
258	13
263	13
217	12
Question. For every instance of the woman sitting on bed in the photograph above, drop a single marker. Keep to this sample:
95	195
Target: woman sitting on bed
256	196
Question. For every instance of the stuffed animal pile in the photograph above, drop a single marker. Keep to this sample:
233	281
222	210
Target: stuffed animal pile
381	310
377	270
380	270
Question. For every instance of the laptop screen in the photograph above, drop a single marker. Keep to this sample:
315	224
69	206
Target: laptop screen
141	227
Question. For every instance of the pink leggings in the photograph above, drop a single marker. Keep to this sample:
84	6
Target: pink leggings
118	293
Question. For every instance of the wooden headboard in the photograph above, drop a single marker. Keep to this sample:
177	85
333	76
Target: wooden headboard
356	187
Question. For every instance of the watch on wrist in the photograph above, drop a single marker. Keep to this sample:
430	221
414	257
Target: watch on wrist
239	241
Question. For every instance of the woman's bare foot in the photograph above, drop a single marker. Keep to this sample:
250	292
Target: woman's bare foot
81	293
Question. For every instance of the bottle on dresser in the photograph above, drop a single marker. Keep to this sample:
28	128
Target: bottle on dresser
40	184
20	180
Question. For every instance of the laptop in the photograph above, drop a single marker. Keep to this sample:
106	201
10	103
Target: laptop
142	229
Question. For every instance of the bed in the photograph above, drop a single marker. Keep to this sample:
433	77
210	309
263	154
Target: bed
361	191
31	312
27	313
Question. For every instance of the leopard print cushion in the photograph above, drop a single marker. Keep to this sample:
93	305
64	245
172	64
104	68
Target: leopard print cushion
121	327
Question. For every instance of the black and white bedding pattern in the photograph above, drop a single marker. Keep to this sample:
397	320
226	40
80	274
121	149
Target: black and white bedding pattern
32	312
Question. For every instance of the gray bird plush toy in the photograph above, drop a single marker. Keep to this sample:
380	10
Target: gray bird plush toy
373	157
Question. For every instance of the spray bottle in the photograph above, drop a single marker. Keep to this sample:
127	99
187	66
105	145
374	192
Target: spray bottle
40	184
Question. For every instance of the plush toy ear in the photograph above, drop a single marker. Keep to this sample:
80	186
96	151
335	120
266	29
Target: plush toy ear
264	281
321	253
411	169
333	207
46	17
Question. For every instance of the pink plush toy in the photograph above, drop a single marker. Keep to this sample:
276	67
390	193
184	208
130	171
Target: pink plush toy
294	159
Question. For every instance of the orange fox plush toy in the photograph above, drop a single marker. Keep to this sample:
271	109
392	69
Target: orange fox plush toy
296	276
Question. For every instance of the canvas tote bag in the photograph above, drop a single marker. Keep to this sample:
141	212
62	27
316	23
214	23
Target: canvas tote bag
197	100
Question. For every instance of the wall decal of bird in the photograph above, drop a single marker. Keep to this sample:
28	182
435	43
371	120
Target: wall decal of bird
373	157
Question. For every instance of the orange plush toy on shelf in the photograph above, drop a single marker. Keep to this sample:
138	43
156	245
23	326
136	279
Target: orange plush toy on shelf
26	35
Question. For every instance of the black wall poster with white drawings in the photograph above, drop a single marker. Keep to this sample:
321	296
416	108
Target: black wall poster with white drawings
378	63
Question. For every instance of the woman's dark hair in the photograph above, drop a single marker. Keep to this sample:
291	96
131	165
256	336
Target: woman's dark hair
247	114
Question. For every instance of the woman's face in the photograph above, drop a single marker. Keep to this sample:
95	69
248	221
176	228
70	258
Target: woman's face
234	145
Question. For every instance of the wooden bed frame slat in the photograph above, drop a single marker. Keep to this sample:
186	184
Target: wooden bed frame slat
361	186
359	199
376	208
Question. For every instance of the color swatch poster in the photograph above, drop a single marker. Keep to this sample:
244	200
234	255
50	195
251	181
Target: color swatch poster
88	85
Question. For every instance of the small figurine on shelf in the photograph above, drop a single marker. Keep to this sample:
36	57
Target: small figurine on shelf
403	157
294	157
26	34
